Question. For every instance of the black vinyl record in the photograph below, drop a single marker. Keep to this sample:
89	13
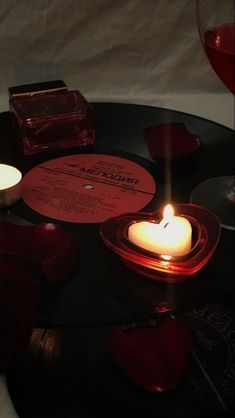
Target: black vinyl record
69	371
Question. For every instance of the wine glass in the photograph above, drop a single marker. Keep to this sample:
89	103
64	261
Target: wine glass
215	19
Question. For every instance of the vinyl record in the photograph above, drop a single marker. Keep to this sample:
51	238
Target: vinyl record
87	188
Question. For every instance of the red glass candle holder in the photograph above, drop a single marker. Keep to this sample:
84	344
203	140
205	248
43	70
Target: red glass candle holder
205	237
50	118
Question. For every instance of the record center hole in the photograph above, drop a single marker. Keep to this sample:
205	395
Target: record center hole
88	186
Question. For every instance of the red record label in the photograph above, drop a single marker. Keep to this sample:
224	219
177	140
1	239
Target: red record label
87	188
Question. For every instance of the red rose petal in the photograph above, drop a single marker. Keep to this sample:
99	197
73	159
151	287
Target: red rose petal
155	358
170	140
44	247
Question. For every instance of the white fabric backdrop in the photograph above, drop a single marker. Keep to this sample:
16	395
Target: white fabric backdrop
136	51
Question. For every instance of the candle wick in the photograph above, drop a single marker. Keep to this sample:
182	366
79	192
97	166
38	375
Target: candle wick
167	223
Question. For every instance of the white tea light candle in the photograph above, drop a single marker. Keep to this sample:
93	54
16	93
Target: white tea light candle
10	185
171	237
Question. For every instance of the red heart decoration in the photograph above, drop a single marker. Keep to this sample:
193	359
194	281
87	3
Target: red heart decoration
170	140
44	248
155	358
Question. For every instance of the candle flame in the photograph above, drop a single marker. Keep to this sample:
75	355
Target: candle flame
168	213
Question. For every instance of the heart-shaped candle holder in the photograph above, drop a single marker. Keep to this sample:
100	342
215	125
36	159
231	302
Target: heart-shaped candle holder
174	269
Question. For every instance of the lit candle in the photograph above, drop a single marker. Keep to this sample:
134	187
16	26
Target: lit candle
171	237
10	185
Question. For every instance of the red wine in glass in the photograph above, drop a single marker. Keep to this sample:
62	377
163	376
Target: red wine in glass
215	19
219	44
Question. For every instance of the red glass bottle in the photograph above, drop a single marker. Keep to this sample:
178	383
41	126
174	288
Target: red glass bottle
50	117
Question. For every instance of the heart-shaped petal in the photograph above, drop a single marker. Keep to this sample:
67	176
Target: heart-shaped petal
170	140
155	358
44	247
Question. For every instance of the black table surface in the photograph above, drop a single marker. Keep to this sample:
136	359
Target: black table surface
69	371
